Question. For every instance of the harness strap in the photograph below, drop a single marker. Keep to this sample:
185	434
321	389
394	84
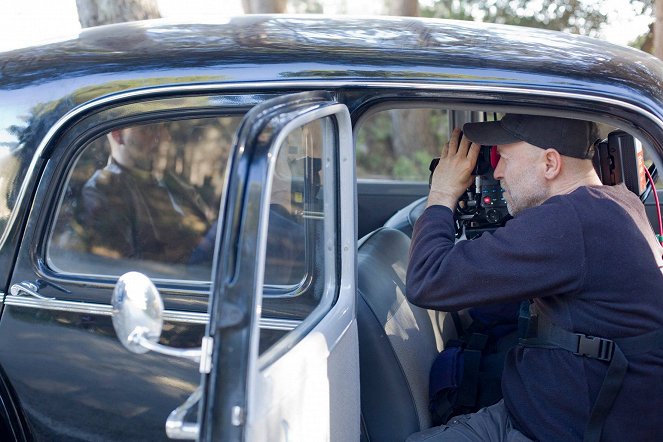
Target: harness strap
541	332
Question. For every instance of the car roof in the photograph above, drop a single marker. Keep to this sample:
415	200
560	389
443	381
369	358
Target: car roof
301	50
261	48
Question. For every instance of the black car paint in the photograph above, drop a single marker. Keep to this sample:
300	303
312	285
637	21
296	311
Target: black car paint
365	62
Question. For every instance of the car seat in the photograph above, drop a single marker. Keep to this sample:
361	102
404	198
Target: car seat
486	320
397	341
405	218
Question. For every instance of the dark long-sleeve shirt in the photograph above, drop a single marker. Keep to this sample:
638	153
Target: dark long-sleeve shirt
590	262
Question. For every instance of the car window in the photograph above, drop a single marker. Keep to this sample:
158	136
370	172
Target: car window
295	237
398	144
145	198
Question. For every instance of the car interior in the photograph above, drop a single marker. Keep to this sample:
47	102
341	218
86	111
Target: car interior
399	341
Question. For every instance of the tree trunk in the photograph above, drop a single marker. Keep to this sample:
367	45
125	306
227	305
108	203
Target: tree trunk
404	8
264	6
104	12
411	128
658	29
648	42
411	131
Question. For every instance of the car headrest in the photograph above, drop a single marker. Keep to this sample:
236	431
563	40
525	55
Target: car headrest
405	218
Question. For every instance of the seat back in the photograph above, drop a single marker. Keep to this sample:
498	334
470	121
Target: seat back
405	218
397	341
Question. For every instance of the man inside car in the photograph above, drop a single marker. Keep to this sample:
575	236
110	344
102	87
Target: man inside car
159	218
585	257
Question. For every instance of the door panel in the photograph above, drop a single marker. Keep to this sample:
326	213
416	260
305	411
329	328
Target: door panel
294	159
76	382
72	377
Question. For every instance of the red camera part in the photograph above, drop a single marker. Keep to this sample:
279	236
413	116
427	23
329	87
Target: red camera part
494	157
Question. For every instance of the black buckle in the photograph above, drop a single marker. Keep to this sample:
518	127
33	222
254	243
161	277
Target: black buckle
593	347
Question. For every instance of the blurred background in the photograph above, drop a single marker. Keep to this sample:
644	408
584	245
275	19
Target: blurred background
625	22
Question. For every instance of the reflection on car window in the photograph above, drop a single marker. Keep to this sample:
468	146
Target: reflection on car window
295	208
398	144
145	198
297	231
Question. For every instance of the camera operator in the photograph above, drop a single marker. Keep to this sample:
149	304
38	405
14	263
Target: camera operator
585	257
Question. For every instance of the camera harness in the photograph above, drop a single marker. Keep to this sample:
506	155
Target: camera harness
540	332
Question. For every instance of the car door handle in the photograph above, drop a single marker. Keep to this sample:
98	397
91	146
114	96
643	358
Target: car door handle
176	428
28	288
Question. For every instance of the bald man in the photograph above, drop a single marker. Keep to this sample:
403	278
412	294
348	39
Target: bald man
586	259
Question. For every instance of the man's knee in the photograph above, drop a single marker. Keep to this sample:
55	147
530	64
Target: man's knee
490	423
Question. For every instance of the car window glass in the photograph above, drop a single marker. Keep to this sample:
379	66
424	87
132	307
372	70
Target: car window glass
295	254
145	198
398	144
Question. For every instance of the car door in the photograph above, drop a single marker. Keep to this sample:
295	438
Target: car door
87	225
289	227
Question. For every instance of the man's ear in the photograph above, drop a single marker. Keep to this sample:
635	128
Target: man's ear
553	163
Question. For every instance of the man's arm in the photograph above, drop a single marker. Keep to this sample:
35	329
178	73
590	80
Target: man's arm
538	253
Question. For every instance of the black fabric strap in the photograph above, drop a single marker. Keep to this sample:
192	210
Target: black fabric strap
458	324
472	354
543	333
612	383
547	333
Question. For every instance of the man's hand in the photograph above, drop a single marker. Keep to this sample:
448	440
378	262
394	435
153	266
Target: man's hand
454	172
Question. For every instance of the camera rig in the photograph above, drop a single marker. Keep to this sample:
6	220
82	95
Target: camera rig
482	207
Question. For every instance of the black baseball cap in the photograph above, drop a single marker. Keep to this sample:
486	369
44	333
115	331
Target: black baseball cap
572	138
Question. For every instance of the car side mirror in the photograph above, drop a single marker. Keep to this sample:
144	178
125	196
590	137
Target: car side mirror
138	317
137	311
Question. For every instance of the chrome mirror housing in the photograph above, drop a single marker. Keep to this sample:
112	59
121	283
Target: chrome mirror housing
137	311
138	318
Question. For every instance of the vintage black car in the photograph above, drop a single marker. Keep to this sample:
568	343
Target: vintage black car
237	165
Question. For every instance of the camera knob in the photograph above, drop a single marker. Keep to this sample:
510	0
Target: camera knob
493	216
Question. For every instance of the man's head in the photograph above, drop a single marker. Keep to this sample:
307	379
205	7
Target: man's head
134	147
540	156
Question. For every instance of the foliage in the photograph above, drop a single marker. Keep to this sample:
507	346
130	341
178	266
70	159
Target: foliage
577	16
377	158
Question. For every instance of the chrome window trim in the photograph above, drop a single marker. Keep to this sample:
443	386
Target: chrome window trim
311	84
107	310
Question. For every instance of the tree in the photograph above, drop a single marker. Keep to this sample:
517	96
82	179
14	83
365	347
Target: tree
406	8
412	127
104	12
264	6
577	16
658	29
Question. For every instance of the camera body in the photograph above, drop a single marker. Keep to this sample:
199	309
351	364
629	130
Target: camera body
482	207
